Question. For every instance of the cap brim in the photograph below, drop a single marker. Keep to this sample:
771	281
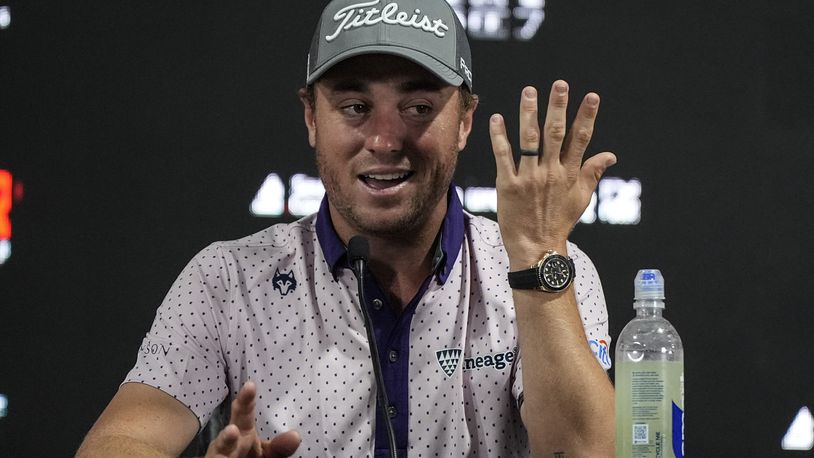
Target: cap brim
435	67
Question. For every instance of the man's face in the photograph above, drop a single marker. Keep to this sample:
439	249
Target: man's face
387	135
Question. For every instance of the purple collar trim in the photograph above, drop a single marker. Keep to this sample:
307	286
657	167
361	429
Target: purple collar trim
452	237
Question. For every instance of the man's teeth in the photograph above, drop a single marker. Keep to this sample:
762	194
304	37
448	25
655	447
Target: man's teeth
388	176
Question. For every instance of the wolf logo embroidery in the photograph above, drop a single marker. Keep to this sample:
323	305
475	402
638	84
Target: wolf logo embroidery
284	282
448	359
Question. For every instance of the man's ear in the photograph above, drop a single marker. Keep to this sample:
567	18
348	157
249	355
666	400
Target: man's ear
465	124
309	116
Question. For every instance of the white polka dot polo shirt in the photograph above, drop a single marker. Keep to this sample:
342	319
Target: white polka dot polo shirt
280	307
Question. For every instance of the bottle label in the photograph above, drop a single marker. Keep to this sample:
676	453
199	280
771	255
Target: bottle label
650	409
678	431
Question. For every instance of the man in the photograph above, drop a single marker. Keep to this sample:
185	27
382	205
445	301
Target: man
273	319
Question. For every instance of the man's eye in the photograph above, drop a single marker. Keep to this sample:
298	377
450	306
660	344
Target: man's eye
356	108
421	109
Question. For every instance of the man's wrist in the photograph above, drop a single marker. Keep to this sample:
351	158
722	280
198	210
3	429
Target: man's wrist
524	258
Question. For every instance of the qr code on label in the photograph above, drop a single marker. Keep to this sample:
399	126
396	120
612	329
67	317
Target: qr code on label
640	434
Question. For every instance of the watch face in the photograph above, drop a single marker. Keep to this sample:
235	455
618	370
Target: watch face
556	272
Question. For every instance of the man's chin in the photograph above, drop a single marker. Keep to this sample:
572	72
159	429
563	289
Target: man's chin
388	224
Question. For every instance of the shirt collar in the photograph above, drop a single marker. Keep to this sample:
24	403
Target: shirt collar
446	250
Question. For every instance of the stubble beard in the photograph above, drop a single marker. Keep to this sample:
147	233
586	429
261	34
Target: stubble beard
404	225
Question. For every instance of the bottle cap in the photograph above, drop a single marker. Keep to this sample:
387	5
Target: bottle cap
648	285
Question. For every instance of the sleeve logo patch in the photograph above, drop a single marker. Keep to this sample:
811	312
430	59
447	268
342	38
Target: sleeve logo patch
600	350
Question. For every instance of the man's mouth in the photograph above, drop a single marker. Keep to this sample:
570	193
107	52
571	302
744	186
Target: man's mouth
385	180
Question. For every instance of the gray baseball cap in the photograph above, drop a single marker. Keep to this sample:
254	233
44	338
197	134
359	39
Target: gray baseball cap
425	31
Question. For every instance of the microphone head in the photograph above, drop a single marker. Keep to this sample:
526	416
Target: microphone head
358	249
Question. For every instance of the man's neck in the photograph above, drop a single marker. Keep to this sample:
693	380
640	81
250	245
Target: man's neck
400	263
401	268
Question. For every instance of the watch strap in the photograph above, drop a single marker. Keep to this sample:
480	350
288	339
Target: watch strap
527	278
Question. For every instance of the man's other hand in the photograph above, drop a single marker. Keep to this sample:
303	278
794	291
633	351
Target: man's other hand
240	439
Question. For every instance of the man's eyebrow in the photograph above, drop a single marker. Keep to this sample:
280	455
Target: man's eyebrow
347	85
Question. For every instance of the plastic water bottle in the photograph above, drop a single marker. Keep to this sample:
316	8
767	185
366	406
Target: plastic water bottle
649	378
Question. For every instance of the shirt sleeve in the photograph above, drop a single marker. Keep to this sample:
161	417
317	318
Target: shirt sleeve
592	306
181	354
593	310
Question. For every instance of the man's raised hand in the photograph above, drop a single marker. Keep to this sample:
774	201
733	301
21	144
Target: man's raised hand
541	199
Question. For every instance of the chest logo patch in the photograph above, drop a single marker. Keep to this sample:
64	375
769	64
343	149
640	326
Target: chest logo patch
284	282
448	359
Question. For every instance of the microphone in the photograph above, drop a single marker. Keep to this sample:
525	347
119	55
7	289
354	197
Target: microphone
358	253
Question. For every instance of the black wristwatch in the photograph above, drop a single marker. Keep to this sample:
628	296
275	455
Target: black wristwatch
552	274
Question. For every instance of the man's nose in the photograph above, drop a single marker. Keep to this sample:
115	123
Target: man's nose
386	131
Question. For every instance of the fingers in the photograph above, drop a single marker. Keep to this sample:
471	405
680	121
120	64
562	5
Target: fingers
501	147
529	136
595	167
581	131
225	444
529	128
282	445
560	145
243	408
239	438
555	122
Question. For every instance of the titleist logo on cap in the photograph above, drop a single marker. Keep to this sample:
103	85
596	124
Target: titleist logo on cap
355	16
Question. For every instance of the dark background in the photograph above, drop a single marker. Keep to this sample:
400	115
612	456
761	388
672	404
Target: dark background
142	130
